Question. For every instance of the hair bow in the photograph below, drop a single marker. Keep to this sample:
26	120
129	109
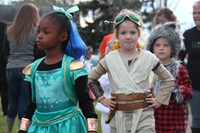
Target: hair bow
67	12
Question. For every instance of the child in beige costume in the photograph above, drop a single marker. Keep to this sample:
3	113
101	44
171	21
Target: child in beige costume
128	70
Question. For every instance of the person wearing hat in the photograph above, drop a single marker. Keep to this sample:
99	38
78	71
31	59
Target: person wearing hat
131	104
165	43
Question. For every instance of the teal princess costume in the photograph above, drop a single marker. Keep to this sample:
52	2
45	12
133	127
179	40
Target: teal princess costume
55	94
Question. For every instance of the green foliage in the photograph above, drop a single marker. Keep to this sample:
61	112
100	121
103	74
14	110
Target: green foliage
97	10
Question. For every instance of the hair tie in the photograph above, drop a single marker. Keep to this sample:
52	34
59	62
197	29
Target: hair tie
67	12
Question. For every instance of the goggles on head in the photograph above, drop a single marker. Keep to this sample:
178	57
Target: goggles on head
121	18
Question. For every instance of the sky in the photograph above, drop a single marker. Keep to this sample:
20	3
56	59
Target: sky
183	11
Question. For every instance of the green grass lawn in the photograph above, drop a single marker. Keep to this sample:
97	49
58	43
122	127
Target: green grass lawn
99	121
15	128
3	123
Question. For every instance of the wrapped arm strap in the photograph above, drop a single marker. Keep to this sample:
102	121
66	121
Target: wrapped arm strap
96	89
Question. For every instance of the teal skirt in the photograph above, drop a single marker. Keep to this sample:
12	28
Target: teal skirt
73	124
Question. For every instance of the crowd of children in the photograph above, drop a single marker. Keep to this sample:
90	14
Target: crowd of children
137	89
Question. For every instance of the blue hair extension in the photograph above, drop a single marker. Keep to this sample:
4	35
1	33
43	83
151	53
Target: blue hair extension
75	46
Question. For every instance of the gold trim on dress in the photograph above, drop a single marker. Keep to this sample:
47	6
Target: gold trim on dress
27	70
52	121
75	64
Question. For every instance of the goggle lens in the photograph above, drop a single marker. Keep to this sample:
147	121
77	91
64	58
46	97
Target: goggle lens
120	19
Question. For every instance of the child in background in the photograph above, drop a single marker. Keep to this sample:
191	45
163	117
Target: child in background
128	69
59	80
88	65
103	45
105	85
165	43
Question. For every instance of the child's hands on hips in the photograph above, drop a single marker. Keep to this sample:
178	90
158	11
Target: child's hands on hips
152	101
109	102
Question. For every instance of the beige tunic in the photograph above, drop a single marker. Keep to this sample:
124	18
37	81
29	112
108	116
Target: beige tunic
121	75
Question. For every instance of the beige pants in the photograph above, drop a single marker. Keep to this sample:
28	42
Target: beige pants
146	129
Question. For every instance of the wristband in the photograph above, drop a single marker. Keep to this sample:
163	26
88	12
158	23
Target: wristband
92	124
100	98
24	124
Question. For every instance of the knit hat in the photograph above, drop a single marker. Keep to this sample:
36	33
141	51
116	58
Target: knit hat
168	32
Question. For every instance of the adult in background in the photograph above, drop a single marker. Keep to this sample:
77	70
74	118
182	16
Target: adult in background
167	17
3	81
21	36
164	15
192	45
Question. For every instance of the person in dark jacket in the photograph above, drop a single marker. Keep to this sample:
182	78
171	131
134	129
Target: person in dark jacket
192	45
3	81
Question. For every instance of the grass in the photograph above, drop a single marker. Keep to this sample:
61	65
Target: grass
3	124
15	128
99	121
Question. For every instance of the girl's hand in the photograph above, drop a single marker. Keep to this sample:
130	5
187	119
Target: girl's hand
109	102
152	101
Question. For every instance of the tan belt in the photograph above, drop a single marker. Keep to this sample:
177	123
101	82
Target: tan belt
128	106
131	106
131	97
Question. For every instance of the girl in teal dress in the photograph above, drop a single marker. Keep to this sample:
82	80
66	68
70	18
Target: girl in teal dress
60	100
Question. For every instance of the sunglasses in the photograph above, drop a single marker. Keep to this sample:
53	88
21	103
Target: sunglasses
133	18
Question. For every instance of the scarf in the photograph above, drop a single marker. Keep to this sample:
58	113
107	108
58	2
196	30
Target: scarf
173	69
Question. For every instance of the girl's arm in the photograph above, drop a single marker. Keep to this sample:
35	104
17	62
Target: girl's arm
184	83
164	94
86	103
96	88
93	82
